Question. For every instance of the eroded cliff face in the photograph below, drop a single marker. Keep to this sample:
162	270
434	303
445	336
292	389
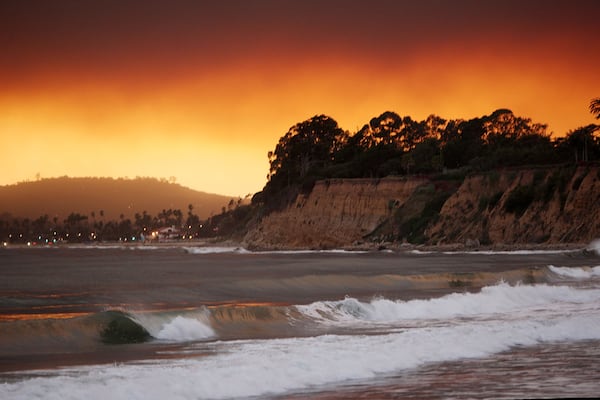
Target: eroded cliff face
336	213
522	207
512	207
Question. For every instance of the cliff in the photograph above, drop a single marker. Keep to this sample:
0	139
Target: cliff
558	205
334	214
512	207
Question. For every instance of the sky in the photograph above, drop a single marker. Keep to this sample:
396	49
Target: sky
203	90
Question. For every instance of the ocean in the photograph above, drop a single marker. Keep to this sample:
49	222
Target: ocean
184	322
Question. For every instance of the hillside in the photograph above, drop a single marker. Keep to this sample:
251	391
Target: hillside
58	197
550	205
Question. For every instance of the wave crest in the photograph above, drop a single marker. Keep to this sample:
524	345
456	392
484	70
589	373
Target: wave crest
215	250
185	329
500	298
594	246
182	326
577	273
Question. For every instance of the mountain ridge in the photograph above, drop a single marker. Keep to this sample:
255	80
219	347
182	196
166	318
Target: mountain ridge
111	197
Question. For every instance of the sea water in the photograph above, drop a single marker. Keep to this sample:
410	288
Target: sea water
190	323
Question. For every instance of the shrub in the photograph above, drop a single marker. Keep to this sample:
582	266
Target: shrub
519	200
495	199
458	283
577	182
484	201
415	226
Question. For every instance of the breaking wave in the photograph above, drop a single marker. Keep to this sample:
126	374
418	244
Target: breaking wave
276	366
498	299
498	252
594	246
577	273
215	250
79	333
241	321
241	250
335	348
178	326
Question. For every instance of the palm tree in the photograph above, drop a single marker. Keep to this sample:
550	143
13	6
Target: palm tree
595	107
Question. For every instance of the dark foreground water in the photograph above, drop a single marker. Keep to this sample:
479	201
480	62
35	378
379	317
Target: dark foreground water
203	323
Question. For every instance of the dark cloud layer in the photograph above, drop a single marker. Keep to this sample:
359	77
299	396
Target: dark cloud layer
111	37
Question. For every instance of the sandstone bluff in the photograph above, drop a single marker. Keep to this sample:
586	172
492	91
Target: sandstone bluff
533	206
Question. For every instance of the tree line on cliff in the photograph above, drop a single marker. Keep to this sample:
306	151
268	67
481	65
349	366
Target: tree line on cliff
390	144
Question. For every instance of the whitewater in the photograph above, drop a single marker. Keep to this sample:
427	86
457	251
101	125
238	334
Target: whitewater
183	323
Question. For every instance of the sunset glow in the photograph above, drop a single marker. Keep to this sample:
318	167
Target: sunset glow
203	90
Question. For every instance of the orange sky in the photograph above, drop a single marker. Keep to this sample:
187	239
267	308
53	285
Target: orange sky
203	90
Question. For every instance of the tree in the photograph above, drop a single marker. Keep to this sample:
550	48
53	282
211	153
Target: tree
504	126
583	143
385	129
595	107
390	129
511	140
306	147
178	217
434	126
462	142
74	226
426	156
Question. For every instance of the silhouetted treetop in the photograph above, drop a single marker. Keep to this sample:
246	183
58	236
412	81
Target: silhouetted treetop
582	144
391	129
307	146
595	107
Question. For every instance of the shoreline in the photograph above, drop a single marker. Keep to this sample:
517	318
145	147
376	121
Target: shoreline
366	247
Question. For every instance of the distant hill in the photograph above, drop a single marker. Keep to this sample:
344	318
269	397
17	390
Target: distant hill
58	197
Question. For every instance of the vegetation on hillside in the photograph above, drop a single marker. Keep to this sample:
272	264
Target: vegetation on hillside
64	195
394	145
168	224
122	210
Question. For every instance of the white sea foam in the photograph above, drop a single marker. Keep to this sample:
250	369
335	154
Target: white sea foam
215	250
595	246
331	251
263	367
497	252
241	250
130	246
185	329
501	298
577	273
192	325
